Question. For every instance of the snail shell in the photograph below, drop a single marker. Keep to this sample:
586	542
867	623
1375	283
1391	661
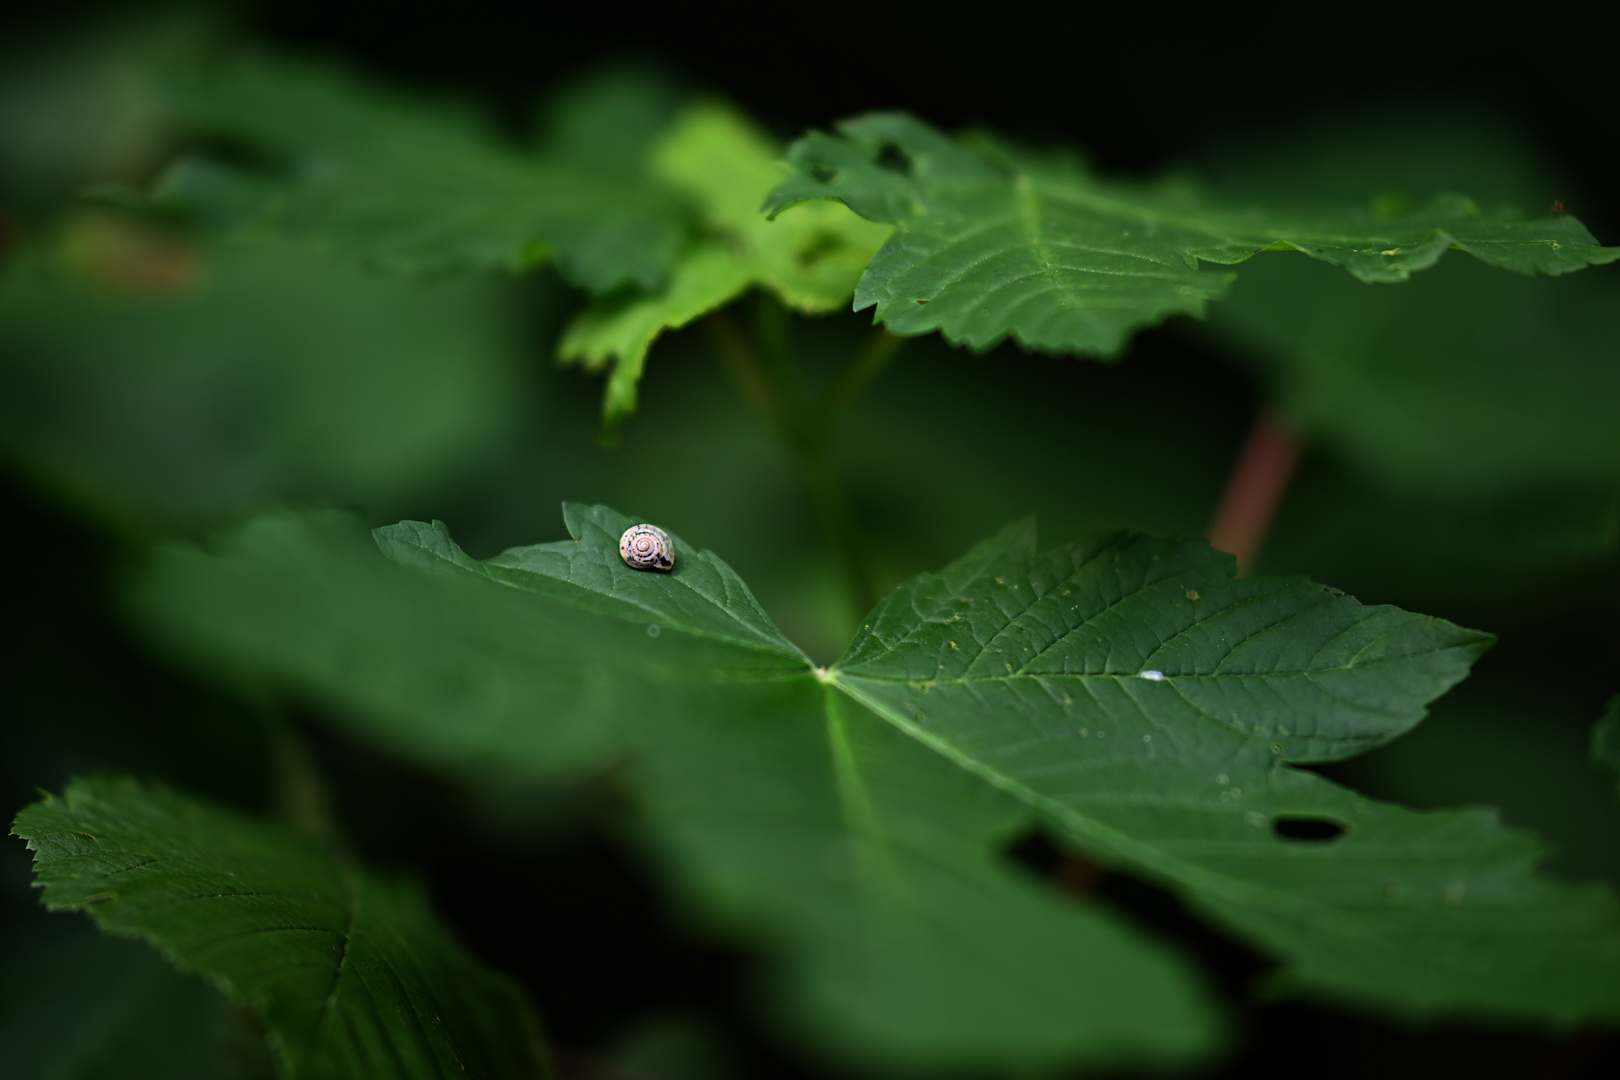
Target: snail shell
647	547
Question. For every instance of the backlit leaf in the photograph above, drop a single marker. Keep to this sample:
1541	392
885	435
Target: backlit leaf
725	165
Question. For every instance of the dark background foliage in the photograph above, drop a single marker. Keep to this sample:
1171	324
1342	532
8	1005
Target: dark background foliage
1140	88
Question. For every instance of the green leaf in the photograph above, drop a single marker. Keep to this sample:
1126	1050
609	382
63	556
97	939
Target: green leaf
418	186
1287	665
1606	738
725	165
1142	699
164	381
992	243
868	865
1131	693
350	974
81	106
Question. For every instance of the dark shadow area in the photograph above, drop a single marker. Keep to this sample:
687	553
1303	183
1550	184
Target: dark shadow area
1307	830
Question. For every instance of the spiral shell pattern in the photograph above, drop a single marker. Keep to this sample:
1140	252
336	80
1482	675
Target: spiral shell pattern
647	547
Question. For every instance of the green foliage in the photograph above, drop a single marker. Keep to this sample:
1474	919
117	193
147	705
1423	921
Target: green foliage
657	217
992	242
1130	693
766	795
411	185
1465	383
1147	702
718	160
245	334
351	975
247	373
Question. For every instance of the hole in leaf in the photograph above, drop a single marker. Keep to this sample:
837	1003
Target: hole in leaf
1310	830
893	157
823	174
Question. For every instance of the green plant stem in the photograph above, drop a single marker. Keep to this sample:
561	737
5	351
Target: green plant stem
769	379
298	791
736	355
863	367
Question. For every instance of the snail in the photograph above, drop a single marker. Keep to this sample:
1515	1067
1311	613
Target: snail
647	547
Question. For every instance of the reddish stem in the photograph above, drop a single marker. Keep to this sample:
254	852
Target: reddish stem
1254	490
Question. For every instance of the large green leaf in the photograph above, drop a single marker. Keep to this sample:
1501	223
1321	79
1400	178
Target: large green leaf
351	975
1133	694
991	243
725	165
868	864
416	185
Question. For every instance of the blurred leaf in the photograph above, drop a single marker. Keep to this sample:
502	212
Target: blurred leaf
419	186
870	865
83	108
725	165
351	975
672	1048
605	123
167	381
1606	737
993	243
1464	386
77	1006
1515	740
1399	157
1465	382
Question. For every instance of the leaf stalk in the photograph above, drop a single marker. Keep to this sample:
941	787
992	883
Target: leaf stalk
769	376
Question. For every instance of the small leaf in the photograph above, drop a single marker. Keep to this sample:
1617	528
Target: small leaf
725	166
992	243
351	975
412	185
